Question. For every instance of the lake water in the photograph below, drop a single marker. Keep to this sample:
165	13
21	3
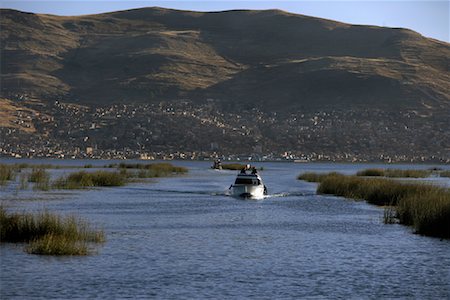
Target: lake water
184	238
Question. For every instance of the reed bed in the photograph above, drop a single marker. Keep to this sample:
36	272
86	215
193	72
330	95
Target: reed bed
444	174
82	179
150	170
7	173
20	166
47	233
395	173
424	207
41	179
316	177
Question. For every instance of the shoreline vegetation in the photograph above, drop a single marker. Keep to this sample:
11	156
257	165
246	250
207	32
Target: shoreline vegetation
46	233
123	173
50	234
395	173
424	207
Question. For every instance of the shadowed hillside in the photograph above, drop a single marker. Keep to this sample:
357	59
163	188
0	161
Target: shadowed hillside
153	53
228	63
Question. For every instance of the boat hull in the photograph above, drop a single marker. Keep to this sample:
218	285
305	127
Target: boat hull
248	191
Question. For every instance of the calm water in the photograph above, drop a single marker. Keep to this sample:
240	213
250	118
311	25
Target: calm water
183	238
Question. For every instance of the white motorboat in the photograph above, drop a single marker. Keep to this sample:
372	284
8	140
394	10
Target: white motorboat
248	185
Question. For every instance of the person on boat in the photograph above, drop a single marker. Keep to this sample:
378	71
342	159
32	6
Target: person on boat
254	170
243	171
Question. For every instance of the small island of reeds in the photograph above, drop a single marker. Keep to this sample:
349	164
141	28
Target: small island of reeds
39	175
425	207
46	233
395	173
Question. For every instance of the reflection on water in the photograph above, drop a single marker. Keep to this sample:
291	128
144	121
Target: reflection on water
183	237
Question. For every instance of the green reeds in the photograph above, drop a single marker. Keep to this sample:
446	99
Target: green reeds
84	179
424	207
427	211
57	245
47	233
41	179
444	174
7	173
316	177
151	170
375	191
395	173
371	172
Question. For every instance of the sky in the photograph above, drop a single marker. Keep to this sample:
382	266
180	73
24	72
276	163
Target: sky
428	17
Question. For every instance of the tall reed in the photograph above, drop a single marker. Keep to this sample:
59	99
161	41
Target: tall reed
41	179
48	233
444	174
151	170
424	207
398	173
7	173
84	179
316	177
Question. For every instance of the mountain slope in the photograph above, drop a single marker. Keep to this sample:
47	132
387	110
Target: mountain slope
153	54
155	80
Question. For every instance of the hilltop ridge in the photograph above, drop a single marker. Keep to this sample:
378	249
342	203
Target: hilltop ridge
230	62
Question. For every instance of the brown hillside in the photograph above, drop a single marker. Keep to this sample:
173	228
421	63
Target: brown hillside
261	57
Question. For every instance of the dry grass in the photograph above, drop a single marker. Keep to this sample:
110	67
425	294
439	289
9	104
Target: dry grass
14	116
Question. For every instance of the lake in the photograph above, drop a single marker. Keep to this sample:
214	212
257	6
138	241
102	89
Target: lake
184	238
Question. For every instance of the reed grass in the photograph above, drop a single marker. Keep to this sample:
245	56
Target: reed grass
48	233
316	177
51	244
151	170
82	179
395	173
428	212
371	172
21	166
444	174
424	207
41	179
23	181
7	173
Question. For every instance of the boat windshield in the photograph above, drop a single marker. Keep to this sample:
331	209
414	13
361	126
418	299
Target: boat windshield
247	181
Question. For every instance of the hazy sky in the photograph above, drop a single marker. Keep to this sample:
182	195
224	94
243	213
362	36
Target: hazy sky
430	18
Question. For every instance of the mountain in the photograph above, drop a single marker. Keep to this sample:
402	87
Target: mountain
230	65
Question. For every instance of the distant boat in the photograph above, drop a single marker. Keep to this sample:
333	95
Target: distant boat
248	185
217	165
301	160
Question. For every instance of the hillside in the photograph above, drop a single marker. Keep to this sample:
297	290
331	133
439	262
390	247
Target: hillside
229	63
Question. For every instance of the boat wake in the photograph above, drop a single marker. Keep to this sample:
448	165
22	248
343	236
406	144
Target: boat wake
220	193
